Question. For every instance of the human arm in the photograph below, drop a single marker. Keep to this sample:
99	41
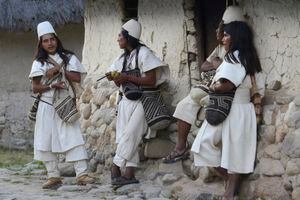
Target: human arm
38	87
222	85
214	64
148	80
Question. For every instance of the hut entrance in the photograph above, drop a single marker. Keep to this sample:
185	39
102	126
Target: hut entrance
208	16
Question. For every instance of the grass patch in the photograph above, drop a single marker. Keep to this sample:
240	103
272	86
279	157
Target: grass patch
10	158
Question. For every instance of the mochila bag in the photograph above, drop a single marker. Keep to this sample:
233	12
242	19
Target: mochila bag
33	110
256	100
131	90
157	114
219	107
64	100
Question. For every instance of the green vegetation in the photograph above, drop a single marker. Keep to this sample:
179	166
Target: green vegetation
12	158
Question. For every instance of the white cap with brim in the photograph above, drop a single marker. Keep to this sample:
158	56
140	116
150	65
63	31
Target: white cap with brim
233	13
134	28
44	28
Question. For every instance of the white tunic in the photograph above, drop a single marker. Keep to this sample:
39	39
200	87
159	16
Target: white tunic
51	133
231	144
131	124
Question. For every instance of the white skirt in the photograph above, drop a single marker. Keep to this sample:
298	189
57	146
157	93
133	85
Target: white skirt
232	144
51	133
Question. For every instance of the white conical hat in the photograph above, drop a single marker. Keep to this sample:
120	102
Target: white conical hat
44	28
233	13
134	28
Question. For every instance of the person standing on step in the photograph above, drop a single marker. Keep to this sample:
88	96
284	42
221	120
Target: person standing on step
53	136
131	125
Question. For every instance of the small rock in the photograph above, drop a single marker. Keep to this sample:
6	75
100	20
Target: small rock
271	167
158	148
274	85
169	178
296	193
273	151
292	168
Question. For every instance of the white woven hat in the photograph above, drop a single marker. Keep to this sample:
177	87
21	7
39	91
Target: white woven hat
134	28
233	13
44	28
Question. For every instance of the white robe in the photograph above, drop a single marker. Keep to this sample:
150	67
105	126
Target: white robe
231	144
131	123
51	134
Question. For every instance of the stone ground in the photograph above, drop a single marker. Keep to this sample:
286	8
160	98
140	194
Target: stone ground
156	183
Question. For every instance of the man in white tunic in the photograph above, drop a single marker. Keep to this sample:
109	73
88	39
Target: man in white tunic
187	109
131	124
52	135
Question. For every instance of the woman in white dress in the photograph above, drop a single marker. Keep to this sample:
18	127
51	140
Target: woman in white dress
51	134
231	145
131	124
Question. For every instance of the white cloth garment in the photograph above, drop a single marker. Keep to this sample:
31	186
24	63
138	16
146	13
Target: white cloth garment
131	124
53	172
186	110
231	145
51	133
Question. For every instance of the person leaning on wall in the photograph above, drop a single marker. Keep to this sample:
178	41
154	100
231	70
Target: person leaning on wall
52	135
230	147
131	125
187	109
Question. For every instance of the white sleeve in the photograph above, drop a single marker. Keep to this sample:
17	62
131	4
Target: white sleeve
235	73
37	69
75	65
117	65
148	61
213	55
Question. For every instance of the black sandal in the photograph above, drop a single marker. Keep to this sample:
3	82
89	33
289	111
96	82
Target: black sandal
174	156
122	180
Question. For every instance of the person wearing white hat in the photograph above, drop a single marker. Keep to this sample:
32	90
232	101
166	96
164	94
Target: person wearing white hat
187	109
131	124
51	135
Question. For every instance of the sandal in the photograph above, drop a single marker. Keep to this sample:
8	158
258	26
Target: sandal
122	180
174	156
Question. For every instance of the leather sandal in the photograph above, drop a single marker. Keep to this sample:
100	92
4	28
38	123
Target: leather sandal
174	156
122	180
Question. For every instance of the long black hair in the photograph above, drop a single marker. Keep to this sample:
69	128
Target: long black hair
133	42
41	55
242	40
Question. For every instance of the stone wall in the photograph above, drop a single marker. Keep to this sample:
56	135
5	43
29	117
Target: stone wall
276	27
16	57
168	29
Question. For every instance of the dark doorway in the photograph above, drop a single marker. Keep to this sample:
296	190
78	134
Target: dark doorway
130	10
208	16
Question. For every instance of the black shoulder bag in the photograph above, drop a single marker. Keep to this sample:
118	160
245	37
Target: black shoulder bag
131	90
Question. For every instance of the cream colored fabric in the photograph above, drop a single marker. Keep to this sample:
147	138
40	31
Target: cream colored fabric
231	145
53	172
233	13
134	28
131	124
51	133
187	109
74	154
219	52
44	28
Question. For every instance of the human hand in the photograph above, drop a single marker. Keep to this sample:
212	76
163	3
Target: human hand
121	78
216	62
58	85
